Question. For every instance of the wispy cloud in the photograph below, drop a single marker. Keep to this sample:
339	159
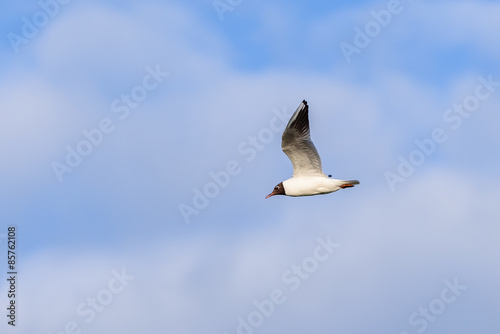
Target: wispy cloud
119	209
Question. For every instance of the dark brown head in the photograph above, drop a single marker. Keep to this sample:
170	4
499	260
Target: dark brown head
278	190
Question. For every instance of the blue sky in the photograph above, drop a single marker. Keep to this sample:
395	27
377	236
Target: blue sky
162	96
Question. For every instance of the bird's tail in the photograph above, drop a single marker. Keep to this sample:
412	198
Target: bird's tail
349	183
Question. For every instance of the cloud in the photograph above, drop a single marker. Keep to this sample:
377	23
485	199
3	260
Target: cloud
34	123
424	235
451	31
119	209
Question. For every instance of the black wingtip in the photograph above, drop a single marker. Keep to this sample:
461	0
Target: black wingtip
305	102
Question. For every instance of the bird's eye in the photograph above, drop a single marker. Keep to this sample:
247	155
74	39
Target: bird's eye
276	187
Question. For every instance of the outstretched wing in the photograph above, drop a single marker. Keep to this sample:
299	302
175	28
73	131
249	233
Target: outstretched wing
297	145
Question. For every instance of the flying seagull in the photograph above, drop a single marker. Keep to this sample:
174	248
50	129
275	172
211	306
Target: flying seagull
308	178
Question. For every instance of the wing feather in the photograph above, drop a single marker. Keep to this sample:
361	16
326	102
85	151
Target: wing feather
297	145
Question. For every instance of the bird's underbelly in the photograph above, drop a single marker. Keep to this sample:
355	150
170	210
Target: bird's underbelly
308	186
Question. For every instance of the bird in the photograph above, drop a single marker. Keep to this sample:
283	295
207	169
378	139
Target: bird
308	178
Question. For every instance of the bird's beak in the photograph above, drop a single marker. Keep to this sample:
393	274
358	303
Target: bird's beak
271	194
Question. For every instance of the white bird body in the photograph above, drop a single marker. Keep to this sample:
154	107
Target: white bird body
308	178
311	185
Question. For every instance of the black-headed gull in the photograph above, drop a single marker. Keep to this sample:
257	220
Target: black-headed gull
308	178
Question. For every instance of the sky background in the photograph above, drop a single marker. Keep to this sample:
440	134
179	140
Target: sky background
234	77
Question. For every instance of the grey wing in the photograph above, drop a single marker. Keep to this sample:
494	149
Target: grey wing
297	145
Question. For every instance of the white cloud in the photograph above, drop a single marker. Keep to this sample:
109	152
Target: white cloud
116	44
35	120
445	23
395	248
392	259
